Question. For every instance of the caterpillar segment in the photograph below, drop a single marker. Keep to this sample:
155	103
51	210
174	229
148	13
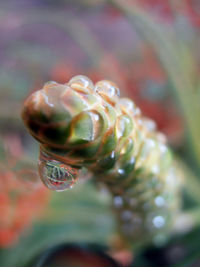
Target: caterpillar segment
79	124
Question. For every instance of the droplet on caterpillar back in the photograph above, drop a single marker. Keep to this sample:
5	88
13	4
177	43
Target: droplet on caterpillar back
81	82
50	84
129	106
107	90
56	175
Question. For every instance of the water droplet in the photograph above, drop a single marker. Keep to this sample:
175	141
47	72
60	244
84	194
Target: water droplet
107	89
118	201
127	103
159	201
136	219
159	221
126	215
81	81
129	106
133	202
146	206
50	84
160	239
171	178
163	148
161	138
137	112
121	171
148	145
56	175
155	169
150	124
127	228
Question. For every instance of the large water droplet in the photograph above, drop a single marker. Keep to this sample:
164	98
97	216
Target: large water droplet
107	89
81	81
56	175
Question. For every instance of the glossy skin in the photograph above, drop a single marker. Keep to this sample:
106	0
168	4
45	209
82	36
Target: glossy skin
89	126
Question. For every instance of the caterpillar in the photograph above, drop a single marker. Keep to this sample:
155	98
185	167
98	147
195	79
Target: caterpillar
79	124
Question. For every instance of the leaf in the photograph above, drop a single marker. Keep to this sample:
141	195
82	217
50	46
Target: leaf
78	215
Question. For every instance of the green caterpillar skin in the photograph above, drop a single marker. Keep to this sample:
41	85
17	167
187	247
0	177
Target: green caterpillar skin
89	126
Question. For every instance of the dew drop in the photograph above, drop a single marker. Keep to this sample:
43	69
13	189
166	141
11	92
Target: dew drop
129	106
128	228
159	201
137	112
160	239
150	124
50	84
163	148
81	81
56	175
121	171
107	89
136	220
126	215
155	169
133	202
161	138
127	103
118	201
159	221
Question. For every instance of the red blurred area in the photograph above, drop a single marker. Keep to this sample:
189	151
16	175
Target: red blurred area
19	207
22	196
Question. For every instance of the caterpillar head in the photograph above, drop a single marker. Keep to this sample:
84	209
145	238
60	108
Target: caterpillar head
52	114
64	116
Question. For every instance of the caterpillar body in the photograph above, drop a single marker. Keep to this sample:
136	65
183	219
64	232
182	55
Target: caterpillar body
79	124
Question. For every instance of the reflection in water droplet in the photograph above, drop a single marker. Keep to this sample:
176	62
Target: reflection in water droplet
81	80
107	89
56	175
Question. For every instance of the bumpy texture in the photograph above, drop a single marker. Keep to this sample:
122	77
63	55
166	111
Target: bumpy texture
89	126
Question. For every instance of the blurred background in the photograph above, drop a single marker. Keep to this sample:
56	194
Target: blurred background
150	48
